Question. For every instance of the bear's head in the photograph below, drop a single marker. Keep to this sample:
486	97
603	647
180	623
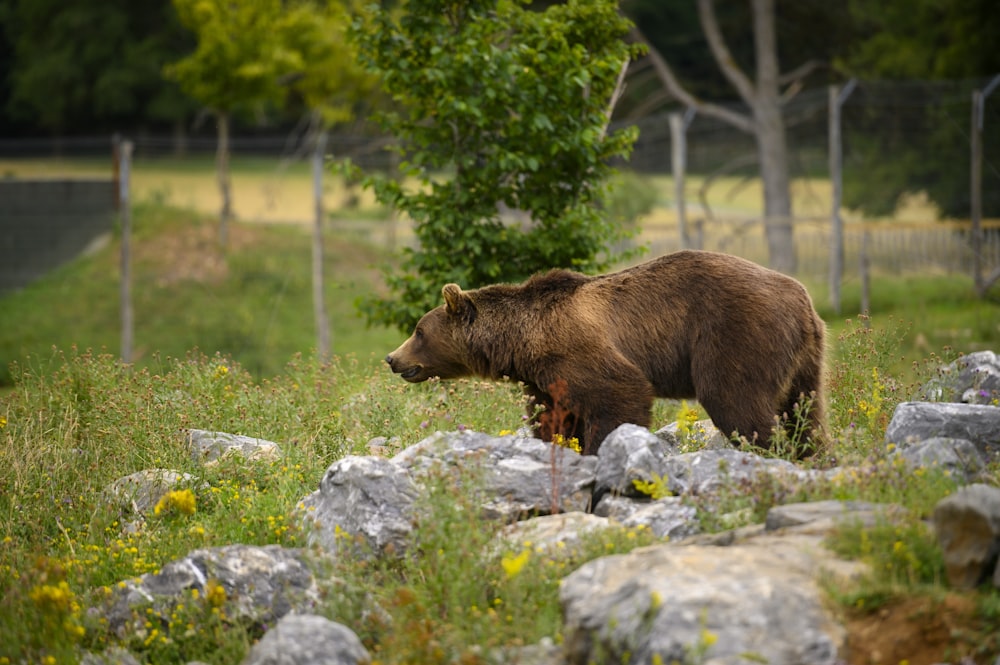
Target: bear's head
438	346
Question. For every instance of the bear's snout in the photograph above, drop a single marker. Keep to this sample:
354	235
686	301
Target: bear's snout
408	372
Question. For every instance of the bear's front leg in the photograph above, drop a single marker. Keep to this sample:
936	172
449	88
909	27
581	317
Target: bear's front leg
625	396
548	416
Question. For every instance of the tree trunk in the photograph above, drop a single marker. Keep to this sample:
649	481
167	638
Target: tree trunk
678	162
773	156
765	121
772	149
180	139
225	186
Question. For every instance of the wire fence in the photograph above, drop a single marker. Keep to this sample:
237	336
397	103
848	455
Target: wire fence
907	174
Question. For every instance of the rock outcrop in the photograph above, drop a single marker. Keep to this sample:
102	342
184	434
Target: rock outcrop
750	593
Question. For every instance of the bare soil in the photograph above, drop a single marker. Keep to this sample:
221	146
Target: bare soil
193	254
920	631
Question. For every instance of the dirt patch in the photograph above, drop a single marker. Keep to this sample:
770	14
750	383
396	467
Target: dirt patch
916	631
192	254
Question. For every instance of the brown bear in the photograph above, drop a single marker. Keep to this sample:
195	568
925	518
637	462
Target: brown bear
743	340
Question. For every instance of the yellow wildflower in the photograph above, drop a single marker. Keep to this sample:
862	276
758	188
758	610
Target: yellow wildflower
182	501
55	597
215	593
686	419
512	565
571	443
657	488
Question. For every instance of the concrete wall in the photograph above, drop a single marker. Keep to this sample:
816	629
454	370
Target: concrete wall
45	223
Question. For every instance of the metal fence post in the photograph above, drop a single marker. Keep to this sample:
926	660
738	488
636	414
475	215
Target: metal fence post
837	99
125	213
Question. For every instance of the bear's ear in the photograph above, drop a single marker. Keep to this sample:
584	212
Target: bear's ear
456	302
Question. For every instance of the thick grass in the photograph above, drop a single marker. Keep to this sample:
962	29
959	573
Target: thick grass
77	421
72	421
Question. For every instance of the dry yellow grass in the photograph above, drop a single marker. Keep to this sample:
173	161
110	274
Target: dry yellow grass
259	194
271	191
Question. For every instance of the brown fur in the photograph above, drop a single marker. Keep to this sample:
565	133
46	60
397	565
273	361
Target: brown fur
743	340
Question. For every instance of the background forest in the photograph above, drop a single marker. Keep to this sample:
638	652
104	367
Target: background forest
88	67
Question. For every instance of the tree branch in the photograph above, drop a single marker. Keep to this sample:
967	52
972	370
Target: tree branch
800	72
795	79
615	96
720	51
674	87
650	103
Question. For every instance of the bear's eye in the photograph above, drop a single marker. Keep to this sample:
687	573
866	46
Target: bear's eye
418	333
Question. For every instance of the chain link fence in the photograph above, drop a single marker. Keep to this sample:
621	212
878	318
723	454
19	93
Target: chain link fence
907	174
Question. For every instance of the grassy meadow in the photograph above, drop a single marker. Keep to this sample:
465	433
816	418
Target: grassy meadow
224	342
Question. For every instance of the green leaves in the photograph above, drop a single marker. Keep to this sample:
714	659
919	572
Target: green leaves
255	52
511	104
234	62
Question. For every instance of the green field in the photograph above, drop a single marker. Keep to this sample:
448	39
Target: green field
253	303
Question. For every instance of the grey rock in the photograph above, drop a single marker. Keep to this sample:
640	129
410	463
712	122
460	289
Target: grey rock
262	584
110	656
308	640
707	470
138	493
959	457
370	497
668	517
382	445
973	379
821	516
206	446
553	534
703	435
630	453
546	652
918	421
517	476
967	524
664	600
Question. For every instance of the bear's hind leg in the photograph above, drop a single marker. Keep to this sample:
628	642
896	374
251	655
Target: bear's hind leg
804	410
744	416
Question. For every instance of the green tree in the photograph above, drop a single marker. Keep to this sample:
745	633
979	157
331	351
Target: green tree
764	93
240	63
92	63
908	131
497	104
329	81
331	86
923	39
